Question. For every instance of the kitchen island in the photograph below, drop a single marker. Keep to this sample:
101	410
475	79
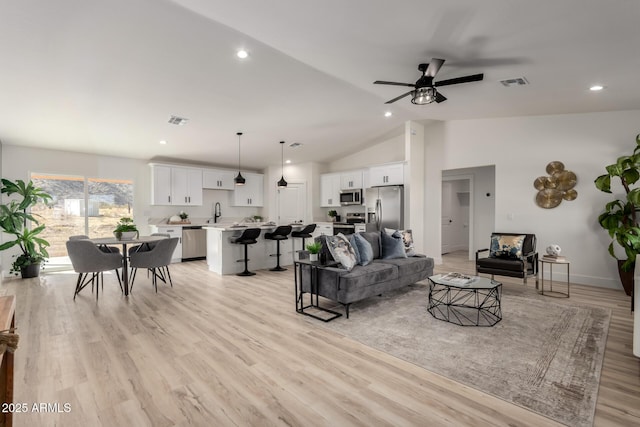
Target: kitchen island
224	257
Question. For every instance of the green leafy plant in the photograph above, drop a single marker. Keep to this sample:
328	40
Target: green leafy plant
333	213
124	225
314	248
183	215
620	216
13	220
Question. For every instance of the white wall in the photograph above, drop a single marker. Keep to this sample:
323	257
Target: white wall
521	148
386	151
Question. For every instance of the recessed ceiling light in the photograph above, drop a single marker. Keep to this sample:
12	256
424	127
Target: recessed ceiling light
163	142
288	161
242	54
596	88
388	114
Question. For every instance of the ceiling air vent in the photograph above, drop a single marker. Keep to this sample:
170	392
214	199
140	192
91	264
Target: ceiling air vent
518	81
295	145
175	120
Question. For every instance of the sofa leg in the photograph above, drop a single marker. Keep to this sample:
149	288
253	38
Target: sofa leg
346	310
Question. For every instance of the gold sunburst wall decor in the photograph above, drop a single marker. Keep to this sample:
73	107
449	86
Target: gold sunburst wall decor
555	187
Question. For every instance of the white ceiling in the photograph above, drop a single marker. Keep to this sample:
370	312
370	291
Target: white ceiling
103	76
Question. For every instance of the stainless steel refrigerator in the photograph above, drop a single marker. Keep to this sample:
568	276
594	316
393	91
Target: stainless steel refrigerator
387	205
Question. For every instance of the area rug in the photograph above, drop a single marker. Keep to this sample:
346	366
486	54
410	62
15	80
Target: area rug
543	356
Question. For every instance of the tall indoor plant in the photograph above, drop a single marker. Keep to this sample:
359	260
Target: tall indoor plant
620	216
13	221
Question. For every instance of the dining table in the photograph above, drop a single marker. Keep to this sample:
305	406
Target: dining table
106	241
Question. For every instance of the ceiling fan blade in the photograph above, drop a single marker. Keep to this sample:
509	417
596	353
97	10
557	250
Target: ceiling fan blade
380	82
440	97
434	67
399	97
465	79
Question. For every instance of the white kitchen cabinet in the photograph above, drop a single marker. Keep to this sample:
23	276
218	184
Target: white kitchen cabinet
177	186
392	174
160	185
218	179
330	190
172	231
351	180
251	193
186	186
323	228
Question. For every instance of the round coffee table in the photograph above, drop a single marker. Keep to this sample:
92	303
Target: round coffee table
476	303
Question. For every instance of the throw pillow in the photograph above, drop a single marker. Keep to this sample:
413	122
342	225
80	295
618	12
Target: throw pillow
341	250
364	248
352	241
392	247
506	246
407	238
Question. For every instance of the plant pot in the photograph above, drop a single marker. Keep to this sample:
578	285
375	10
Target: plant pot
313	257
626	277
125	235
30	271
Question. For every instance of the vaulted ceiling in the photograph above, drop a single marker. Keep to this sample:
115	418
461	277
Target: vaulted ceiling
104	76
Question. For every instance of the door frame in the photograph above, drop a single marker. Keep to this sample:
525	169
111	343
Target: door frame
468	177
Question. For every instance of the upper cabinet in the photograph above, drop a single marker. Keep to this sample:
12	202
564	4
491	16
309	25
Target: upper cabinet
251	193
177	186
218	179
186	186
391	174
351	180
330	190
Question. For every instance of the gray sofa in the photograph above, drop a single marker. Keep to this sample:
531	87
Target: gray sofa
346	287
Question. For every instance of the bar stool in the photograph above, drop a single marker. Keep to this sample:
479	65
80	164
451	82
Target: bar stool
280	233
248	237
305	233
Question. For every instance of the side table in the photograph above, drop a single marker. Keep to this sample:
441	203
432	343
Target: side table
551	263
314	266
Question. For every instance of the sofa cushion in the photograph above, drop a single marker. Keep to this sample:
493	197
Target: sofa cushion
341	250
392	246
373	237
409	266
506	246
363	276
356	251
363	247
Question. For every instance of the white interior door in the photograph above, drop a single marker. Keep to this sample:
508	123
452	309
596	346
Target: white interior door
292	201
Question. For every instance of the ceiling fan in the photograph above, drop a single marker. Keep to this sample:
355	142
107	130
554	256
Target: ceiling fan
424	89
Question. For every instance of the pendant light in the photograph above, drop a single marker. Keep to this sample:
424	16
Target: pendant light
239	180
282	183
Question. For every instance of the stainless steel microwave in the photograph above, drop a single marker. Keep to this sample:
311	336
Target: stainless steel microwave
351	197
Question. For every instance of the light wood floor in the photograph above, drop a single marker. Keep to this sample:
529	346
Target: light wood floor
218	351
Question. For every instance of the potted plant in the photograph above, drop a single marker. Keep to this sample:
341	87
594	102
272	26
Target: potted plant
183	216
126	229
620	216
333	214
314	249
13	221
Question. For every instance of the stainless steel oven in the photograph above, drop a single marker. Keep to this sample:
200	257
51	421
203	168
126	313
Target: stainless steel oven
351	197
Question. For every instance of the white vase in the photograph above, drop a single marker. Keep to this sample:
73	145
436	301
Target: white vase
313	257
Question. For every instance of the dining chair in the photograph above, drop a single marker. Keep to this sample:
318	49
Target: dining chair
87	259
147	246
156	260
103	248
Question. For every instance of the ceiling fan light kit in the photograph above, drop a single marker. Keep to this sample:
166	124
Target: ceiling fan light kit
424	89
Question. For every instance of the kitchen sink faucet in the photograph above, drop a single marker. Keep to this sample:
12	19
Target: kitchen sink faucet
217	212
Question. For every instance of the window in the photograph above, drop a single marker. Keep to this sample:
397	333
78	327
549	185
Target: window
80	205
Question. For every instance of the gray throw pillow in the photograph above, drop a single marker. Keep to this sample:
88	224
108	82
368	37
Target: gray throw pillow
364	249
341	250
407	238
392	247
352	240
